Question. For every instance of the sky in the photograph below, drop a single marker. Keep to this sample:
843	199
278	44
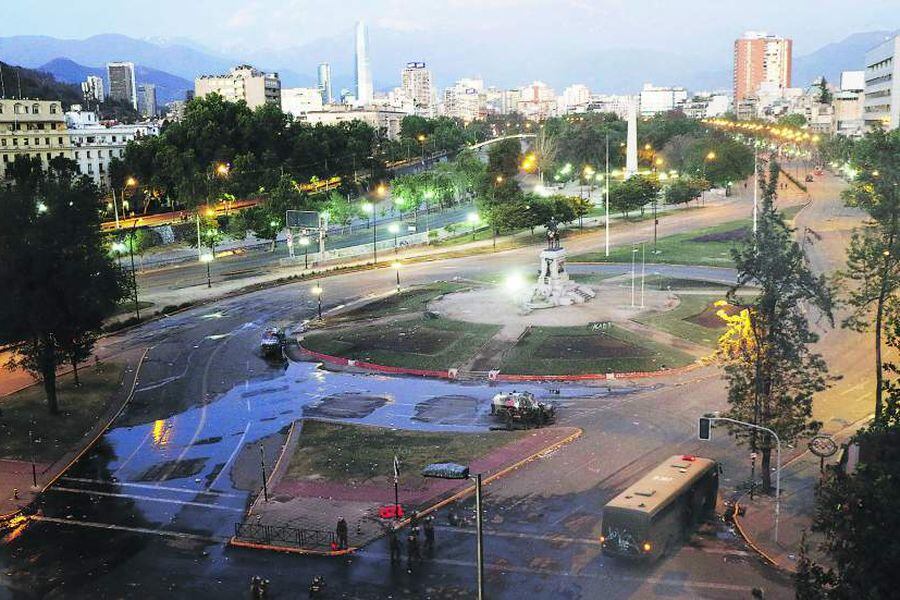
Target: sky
688	27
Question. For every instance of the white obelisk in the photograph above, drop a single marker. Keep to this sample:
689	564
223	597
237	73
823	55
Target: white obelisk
631	157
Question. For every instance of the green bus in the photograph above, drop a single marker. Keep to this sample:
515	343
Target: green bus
651	517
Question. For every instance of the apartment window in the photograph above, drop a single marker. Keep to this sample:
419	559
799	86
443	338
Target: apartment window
49	156
90	168
47	141
53	109
35	108
88	153
60	141
77	155
6	158
20	109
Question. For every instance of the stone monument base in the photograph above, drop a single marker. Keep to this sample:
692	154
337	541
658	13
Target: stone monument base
554	288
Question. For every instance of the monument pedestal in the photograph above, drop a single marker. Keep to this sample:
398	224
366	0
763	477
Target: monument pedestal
554	288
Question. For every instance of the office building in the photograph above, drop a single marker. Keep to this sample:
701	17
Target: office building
243	83
325	83
610	103
853	81
92	90
122	85
655	100
882	94
94	145
364	92
761	59
416	83
147	100
298	101
35	128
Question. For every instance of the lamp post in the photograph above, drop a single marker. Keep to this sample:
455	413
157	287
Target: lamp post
463	473
369	209
304	241
395	229
129	182
777	458
397	264
262	464
317	292
421	138
606	204
633	273
207	258
137	310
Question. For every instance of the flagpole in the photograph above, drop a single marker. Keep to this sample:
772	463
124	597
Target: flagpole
396	488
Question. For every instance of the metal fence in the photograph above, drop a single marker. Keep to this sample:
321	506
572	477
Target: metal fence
285	535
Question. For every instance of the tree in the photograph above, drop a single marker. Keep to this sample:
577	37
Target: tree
634	193
267	220
685	189
795	120
504	157
772	373
58	279
873	258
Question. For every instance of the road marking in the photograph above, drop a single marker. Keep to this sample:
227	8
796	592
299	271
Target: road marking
231	458
96	525
507	568
148	498
153	487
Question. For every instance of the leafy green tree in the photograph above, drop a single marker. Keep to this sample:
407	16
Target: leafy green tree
685	189
59	282
634	193
873	257
795	120
267	220
771	371
504	158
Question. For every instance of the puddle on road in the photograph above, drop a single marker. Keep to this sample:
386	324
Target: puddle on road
345	406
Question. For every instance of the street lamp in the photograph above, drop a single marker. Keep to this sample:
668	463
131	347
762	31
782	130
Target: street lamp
473	220
395	229
317	292
207	258
304	241
397	264
459	472
421	137
369	209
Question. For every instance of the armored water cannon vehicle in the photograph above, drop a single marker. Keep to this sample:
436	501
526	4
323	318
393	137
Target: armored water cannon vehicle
522	407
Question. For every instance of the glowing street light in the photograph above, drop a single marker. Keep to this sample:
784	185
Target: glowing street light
473	219
317	292
207	258
395	229
304	241
369	209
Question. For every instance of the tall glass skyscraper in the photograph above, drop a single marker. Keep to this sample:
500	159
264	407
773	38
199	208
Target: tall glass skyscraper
325	83
363	67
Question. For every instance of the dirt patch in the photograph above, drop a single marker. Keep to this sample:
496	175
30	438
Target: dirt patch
733	235
452	409
708	317
587	347
173	470
345	406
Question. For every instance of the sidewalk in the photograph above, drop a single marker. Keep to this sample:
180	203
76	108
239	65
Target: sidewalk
316	506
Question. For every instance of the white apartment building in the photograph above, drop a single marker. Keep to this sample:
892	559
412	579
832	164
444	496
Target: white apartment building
882	94
465	100
538	101
655	100
707	105
415	80
242	83
387	121
35	128
94	144
575	98
298	101
92	89
608	103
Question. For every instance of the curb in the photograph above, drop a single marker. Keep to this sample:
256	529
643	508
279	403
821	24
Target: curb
467	491
87	447
750	542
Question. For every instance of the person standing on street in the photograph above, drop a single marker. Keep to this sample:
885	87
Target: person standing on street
341	531
412	550
394	543
429	535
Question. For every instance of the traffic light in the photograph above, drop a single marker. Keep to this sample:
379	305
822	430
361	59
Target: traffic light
704	428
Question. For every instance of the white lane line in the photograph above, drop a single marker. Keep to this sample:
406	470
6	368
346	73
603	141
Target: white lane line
152	487
148	498
96	525
231	458
606	576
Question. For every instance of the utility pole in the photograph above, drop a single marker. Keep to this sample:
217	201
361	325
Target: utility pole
607	195
262	463
643	264
755	186
480	532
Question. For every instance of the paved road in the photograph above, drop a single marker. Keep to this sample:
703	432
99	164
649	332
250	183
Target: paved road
145	513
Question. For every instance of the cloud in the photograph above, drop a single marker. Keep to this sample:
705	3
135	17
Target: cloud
403	25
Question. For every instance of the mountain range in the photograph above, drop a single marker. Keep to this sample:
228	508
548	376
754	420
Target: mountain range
173	64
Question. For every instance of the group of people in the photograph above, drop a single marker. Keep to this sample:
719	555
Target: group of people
413	545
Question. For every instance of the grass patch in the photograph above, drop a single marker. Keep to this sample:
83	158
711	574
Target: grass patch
662	282
683	321
416	343
709	246
360	453
80	409
127	308
577	350
588	278
790	212
409	301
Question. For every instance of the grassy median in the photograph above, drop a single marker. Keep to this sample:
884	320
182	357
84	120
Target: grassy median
81	408
363	454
